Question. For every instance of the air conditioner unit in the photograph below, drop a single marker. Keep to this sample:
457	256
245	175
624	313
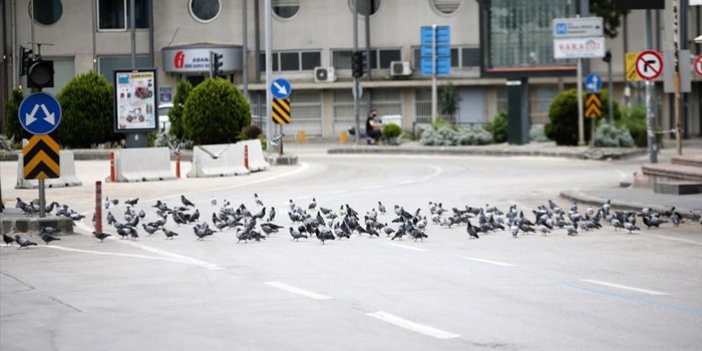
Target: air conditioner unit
324	74
400	69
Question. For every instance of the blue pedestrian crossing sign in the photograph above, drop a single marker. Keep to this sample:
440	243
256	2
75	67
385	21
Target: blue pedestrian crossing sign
281	88
39	113
593	83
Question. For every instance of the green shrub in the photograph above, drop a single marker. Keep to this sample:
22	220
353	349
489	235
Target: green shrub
611	136
88	112
13	128
391	130
215	113
175	115
563	116
537	133
448	136
498	128
476	135
634	119
251	132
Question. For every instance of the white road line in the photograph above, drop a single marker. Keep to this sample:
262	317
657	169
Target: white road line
104	253
618	286
294	290
167	254
503	264
409	325
673	239
406	247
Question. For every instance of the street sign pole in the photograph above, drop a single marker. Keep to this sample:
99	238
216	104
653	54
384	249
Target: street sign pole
269	76
676	39
434	94
581	119
650	117
356	83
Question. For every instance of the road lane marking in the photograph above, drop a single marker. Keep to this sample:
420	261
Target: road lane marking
105	253
167	254
406	247
298	291
624	287
413	326
498	263
673	239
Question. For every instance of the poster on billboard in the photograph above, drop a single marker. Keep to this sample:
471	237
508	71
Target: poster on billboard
135	100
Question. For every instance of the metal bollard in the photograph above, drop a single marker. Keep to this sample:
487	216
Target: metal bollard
177	155
98	206
113	177
246	156
301	137
343	136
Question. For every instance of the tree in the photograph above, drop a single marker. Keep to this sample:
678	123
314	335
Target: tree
13	129
88	108
448	100
175	115
611	16
215	113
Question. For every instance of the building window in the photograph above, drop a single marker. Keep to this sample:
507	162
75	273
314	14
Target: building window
46	12
445	7
114	14
285	8
310	60
205	11
387	56
341	59
293	60
365	7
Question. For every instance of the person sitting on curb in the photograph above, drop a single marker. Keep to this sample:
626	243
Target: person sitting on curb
373	132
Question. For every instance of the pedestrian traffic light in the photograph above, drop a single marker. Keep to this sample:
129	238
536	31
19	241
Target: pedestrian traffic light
25	60
358	64
40	74
216	63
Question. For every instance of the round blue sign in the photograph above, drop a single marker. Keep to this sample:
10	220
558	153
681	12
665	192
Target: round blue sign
593	83
281	88
39	113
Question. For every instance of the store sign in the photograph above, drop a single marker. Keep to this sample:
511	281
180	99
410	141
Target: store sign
135	100
577	27
190	59
579	48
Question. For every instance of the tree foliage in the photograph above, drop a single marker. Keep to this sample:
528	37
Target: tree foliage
449	100
563	116
215	113
612	17
498	128
88	109
13	128
175	115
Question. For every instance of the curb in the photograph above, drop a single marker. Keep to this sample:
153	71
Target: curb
580	197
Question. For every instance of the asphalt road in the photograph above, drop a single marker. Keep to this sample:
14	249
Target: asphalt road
601	290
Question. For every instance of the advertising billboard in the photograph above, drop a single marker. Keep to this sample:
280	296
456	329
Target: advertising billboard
136	107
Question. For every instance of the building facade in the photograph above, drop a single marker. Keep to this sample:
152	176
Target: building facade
312	42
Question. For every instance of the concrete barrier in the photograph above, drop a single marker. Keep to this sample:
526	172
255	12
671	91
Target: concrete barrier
68	174
257	162
143	164
219	160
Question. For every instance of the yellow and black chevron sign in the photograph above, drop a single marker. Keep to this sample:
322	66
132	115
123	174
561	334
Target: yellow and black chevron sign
41	158
282	113
593	106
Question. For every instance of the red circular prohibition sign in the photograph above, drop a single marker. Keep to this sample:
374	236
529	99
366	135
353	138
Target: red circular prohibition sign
649	65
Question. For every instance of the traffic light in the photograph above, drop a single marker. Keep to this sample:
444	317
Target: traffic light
41	74
216	63
358	64
25	60
607	57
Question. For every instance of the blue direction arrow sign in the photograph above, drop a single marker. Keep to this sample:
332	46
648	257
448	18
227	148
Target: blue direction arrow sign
441	50
281	88
39	113
593	83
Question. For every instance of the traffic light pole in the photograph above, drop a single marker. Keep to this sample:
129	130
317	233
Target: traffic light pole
269	75
356	83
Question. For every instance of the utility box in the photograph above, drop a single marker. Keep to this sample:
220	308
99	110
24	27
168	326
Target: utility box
518	111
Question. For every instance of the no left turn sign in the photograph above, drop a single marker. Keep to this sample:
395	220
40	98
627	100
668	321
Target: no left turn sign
649	65
698	65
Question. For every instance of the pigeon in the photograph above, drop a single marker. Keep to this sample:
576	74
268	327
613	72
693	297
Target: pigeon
472	231
101	236
24	243
169	233
186	202
7	239
296	235
48	237
132	202
312	204
149	229
258	200
324	235
381	208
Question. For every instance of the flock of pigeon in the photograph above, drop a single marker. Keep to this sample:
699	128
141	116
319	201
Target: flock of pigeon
325	224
